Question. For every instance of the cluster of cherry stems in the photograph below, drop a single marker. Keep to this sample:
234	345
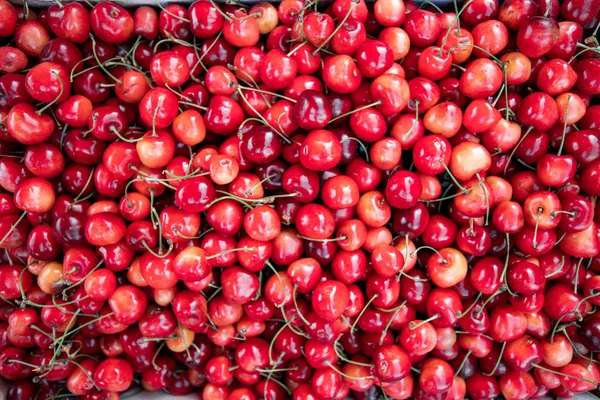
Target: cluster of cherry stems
297	200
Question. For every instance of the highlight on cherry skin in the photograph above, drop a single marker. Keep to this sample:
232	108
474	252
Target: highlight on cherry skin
300	200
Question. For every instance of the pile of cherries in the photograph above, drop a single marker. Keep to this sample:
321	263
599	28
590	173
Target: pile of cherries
300	200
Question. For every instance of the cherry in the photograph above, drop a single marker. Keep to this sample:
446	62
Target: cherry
576	11
516	384
422	27
145	22
543	30
31	37
158	108
111	23
391	363
341	74
9	19
436	376
321	150
113	374
403	189
434	64
585	76
443	119
481	79
27	126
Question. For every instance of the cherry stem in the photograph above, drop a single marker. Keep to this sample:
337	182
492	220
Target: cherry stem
353	328
62	340
564	132
462	364
360	143
355	378
73	74
231	251
225	15
158	339
493	57
173	15
412	278
342	357
60	93
577	275
159	104
14	361
461	314
387	326
556	329
85	371
574	346
200	57
230	197
563	374
295	49
341	238
500	92
298	311
407	134
505	87
281	134
374	104
176	93
267	92
431	4
194	173
487	200
12	228
181	235
155	254
55	305
455	21
187	103
498	361
214	294
144	176
337	28
99	63
277	370
591	296
285	294
153	362
440	199
569	213
444	261
216	329
516	147
270	378
72	285
413	326
273	342
505	269
587	48
454	180
562	264
485	303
